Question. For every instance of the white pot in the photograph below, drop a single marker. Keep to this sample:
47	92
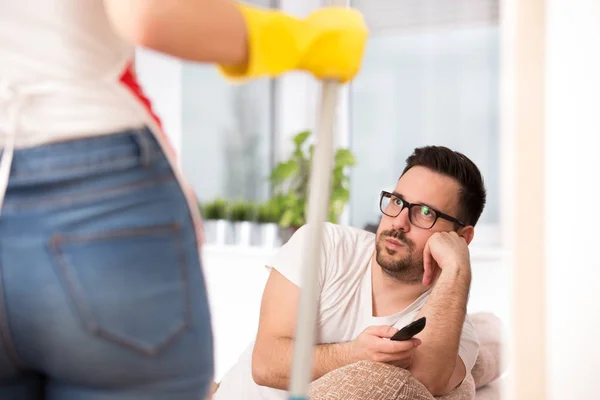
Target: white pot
217	231
242	233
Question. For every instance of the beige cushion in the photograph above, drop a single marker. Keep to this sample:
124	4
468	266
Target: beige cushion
378	381
367	380
489	365
491	391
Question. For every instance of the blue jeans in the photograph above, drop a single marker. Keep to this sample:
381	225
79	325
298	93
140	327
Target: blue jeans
102	296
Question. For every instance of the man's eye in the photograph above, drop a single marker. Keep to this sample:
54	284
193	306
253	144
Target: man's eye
398	202
425	211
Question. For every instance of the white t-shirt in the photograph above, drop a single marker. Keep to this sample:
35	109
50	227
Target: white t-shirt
345	303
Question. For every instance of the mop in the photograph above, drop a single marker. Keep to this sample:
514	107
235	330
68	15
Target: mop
318	202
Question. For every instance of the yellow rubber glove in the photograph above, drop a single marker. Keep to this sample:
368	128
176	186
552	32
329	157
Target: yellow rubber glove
329	43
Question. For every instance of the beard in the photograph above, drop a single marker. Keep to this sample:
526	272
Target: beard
408	269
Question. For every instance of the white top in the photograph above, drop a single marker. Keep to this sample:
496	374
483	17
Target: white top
345	303
63	64
64	74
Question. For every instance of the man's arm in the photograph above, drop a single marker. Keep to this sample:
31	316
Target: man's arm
436	363
273	349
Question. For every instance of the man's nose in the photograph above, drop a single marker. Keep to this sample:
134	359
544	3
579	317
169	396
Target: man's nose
402	220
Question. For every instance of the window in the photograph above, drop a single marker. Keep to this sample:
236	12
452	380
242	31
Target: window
227	132
227	135
425	80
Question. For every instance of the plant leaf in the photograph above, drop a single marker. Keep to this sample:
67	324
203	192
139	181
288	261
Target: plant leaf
311	151
300	138
286	219
344	157
340	194
283	171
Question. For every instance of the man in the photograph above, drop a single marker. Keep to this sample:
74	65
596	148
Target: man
417	264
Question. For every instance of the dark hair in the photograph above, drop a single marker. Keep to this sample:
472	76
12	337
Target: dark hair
458	166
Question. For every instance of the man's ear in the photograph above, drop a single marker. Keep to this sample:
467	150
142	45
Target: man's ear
467	232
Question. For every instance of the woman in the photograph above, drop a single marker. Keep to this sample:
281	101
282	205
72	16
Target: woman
101	290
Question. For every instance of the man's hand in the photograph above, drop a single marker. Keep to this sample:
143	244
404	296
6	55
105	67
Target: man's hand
445	251
373	345
437	364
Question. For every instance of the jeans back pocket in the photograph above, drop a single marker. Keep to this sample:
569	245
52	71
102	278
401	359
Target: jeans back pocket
127	286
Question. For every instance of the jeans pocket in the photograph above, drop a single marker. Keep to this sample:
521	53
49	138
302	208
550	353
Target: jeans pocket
127	286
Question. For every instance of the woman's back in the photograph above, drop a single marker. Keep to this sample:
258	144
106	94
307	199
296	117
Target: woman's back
59	39
67	71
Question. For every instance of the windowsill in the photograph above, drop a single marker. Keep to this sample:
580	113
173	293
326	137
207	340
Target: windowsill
478	253
238	251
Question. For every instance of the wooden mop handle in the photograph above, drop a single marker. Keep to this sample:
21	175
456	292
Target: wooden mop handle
318	209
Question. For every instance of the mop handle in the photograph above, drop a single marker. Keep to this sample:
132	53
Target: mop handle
319	192
318	207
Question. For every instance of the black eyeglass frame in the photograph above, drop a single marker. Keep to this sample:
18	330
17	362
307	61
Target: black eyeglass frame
406	204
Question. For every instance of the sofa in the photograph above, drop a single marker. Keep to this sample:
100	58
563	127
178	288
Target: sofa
378	381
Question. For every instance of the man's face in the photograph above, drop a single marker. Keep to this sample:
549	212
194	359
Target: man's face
399	246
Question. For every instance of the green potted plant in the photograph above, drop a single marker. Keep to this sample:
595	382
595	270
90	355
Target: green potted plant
267	218
290	181
216	224
242	215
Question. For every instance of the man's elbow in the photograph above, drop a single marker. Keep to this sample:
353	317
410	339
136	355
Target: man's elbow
436	384
263	372
440	390
259	370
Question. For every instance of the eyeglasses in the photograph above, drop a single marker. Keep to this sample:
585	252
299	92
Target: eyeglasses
419	215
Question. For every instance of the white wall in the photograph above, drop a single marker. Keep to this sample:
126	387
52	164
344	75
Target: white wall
235	279
572	179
